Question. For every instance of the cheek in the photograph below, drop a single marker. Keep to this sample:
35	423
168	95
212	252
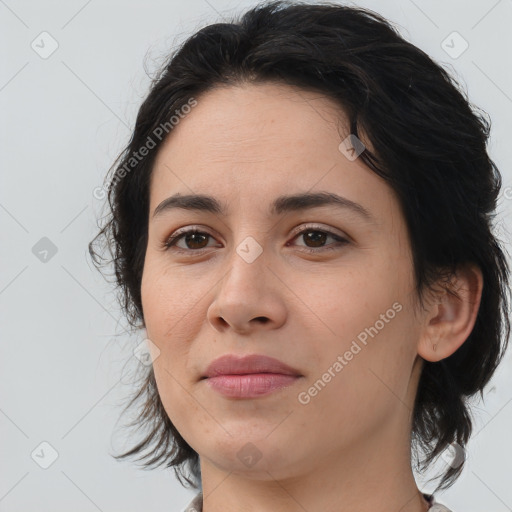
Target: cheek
366	321
168	318
168	302
181	408
347	302
171	324
352	397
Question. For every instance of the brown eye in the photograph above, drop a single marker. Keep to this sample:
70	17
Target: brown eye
193	240
317	238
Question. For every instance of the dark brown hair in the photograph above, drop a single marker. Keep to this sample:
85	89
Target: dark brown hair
428	143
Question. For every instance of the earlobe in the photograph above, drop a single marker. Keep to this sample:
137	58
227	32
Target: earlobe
451	315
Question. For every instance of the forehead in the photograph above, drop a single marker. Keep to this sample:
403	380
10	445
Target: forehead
259	141
246	122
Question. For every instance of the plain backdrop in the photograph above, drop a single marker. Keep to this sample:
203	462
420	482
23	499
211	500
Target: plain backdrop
71	81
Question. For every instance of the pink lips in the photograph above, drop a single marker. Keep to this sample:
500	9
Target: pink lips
249	376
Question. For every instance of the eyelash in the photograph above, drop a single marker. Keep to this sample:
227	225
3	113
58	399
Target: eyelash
172	240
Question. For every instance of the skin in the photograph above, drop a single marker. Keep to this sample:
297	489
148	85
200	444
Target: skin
348	448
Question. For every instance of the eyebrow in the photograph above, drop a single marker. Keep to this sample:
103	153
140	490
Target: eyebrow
282	204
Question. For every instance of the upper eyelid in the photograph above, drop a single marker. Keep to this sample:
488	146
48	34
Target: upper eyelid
312	226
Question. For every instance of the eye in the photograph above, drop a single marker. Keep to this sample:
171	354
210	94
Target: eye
317	237
193	239
196	241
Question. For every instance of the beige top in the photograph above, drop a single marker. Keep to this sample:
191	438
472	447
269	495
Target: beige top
196	505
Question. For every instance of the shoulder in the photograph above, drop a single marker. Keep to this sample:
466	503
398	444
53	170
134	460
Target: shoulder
196	505
434	505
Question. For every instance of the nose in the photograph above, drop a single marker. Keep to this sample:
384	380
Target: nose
250	296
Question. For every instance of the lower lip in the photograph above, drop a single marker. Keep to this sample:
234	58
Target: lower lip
250	385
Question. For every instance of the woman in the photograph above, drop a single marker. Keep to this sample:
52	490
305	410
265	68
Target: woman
301	225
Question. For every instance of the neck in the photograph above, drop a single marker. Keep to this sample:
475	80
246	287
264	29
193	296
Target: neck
373	475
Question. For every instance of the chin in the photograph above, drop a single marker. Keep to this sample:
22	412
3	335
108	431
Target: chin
255	457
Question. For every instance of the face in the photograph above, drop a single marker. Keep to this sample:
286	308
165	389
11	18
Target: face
326	288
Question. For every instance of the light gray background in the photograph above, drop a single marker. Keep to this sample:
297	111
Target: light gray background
64	120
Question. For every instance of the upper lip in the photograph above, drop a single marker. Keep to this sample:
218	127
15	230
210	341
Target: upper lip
231	364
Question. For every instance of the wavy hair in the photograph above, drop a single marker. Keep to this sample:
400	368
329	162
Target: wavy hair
428	142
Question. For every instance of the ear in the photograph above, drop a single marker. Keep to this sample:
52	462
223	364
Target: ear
450	317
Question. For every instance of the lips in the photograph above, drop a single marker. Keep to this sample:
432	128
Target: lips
249	377
253	364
